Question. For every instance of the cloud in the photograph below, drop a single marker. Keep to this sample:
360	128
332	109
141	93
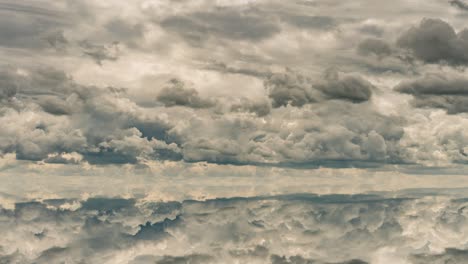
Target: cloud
437	90
195	259
297	90
260	107
25	25
338	229
348	87
57	130
375	47
55	106
176	94
104	126
64	158
57	40
450	255
459	4
8	85
107	204
100	53
228	23
222	113
290	89
128	146
125	31
325	134
249	71
313	22
275	259
74	134
435	41
372	29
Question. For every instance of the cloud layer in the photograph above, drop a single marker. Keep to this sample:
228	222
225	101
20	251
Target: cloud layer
229	83
296	228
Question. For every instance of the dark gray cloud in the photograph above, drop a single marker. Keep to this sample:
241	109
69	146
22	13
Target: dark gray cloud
195	259
445	91
436	84
348	87
55	106
451	255
275	259
435	41
176	94
459	4
103	204
297	90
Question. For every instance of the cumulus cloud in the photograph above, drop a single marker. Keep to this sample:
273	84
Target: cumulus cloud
176	94
104	126
290	89
237	105
435	41
261	107
445	91
64	158
55	106
40	135
348	87
297	90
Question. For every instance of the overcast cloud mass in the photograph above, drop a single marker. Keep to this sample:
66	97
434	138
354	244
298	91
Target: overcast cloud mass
233	131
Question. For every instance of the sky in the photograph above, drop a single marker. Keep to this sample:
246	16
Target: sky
157	90
253	91
233	131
